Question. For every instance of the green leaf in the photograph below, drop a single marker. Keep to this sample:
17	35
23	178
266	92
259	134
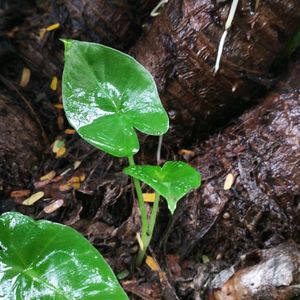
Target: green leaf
174	180
45	260
106	94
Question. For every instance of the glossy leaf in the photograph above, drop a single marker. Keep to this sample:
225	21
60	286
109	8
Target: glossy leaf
45	260
107	94
172	181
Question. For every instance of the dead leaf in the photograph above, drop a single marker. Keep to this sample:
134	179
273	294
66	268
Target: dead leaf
53	84
53	206
53	27
152	264
228	182
48	176
149	197
20	194
33	198
25	77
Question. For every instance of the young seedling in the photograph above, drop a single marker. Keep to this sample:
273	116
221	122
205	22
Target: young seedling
107	95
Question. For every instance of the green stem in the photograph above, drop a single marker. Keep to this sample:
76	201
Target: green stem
141	203
147	239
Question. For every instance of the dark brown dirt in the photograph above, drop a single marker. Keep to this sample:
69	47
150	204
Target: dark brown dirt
21	143
180	51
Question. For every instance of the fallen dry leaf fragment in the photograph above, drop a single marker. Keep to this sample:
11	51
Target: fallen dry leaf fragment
48	176
20	194
186	152
151	263
69	131
149	197
228	182
53	206
53	27
53	84
25	77
33	198
61	152
58	106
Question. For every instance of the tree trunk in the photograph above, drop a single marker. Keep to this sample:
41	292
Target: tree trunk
102	21
181	47
261	205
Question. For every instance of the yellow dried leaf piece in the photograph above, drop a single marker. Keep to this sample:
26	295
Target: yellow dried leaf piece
65	187
58	106
53	27
48	176
152	264
33	198
69	131
53	206
228	182
42	33
149	197
25	77
61	152
53	84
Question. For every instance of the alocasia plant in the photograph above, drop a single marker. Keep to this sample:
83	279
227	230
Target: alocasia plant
45	260
107	95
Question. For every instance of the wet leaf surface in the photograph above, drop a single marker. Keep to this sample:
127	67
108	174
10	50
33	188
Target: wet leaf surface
44	260
106	95
172	181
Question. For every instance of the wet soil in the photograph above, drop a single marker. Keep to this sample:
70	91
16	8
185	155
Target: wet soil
213	229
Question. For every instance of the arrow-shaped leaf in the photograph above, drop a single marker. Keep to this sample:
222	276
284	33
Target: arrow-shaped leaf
107	94
172	181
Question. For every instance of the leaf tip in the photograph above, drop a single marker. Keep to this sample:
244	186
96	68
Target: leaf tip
67	43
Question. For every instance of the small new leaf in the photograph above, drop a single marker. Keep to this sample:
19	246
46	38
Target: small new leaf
174	180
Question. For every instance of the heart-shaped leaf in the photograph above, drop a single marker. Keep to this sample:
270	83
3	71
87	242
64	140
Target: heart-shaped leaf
45	260
172	181
106	94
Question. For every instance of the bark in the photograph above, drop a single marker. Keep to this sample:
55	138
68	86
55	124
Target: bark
21	143
262	207
180	51
102	21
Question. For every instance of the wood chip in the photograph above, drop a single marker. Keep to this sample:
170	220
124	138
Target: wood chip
77	163
58	106
53	27
228	182
42	33
69	131
149	197
53	206
33	198
53	84
48	176
20	194
25	77
61	152
186	152
151	263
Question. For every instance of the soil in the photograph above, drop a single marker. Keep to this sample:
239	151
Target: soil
216	236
